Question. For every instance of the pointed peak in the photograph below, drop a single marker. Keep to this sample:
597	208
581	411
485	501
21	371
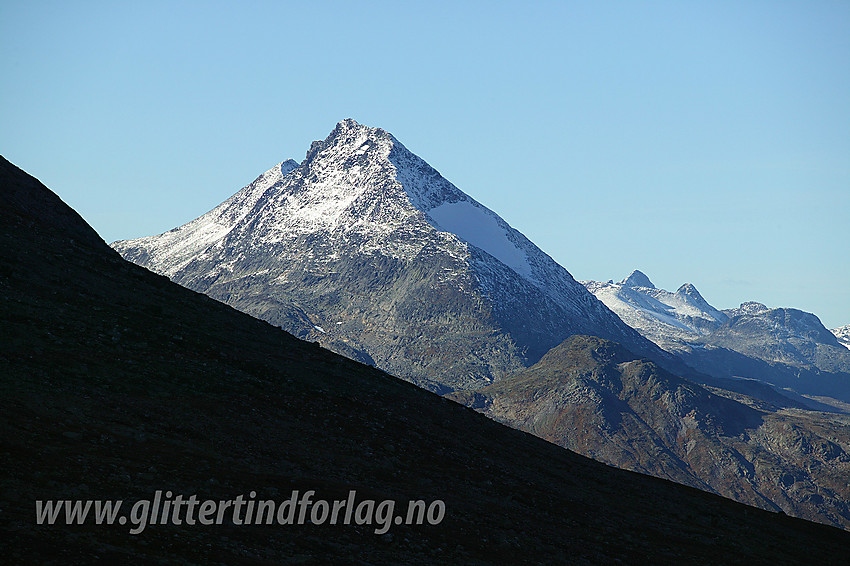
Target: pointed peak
688	290
690	294
637	279
349	135
350	125
347	124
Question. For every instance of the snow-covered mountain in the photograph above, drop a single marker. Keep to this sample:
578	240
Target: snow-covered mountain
784	347
671	320
367	249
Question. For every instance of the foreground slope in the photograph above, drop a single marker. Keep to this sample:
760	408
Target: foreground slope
595	397
367	249
116	382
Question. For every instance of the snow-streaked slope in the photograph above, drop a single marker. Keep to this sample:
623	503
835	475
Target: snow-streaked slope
169	252
843	334
369	243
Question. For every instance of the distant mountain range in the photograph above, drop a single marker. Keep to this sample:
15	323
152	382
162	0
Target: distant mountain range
368	250
117	382
784	347
671	320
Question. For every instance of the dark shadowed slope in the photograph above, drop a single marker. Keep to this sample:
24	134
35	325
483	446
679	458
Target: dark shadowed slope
116	382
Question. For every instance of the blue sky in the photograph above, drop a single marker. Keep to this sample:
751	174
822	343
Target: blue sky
706	142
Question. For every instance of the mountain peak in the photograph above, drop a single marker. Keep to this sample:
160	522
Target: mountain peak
349	130
381	186
364	228
348	123
689	295
349	138
688	290
352	125
637	279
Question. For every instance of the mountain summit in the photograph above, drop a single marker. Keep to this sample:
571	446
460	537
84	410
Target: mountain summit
637	279
367	249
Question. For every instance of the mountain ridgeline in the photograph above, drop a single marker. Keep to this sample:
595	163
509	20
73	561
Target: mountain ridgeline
752	349
368	250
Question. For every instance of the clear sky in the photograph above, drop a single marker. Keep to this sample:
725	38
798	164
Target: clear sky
706	142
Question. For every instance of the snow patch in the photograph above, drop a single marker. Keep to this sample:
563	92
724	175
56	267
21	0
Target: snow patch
475	226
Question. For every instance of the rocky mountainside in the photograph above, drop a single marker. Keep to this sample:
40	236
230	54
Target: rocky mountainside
742	348
116	383
368	250
596	398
